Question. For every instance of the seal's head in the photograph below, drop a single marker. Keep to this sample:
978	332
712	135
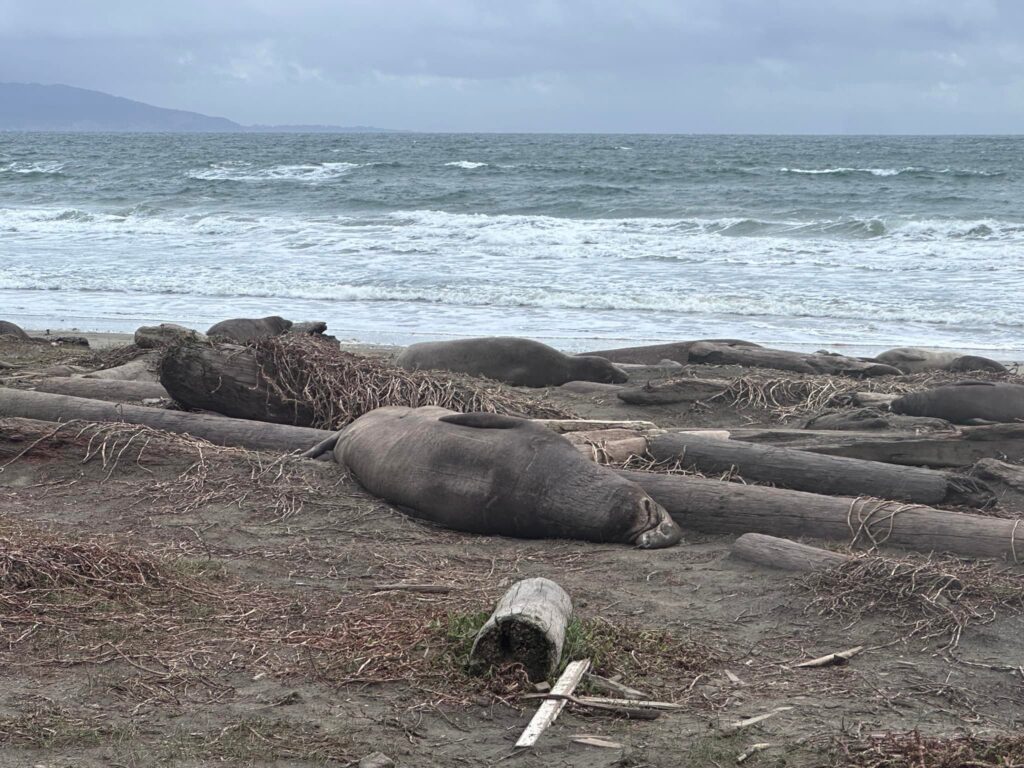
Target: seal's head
593	368
663	531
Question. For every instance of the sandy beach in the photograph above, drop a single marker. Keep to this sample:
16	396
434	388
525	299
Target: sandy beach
205	603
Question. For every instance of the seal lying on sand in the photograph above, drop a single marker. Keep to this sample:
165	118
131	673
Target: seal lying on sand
244	330
499	475
519	362
10	329
916	360
965	402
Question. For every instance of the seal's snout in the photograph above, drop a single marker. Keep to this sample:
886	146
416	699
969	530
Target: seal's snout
665	534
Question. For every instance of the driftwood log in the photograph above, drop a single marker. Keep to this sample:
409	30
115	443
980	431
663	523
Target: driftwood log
111	390
953	449
712	506
675	391
707	353
139	369
527	627
784	554
609	446
221	430
226	378
816	473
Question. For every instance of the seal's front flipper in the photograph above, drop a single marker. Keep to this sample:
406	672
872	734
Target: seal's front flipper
483	420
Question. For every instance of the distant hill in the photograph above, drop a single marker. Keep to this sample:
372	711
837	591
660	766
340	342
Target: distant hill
62	108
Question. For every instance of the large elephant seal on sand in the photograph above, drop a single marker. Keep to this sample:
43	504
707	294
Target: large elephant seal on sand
498	475
519	362
245	330
10	329
916	360
965	402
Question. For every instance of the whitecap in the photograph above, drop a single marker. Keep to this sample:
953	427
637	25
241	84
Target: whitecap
466	164
242	171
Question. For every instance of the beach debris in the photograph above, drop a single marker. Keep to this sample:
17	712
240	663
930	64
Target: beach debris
784	554
611	685
713	506
831	659
674	391
527	627
376	760
111	390
596	741
739	725
246	330
752	750
550	709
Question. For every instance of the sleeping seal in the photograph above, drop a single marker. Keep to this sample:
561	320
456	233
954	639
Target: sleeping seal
916	360
498	475
245	330
965	402
10	329
519	362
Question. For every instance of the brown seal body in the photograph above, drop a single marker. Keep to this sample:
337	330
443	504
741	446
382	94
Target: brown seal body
498	475
916	360
519	362
246	330
10	329
966	402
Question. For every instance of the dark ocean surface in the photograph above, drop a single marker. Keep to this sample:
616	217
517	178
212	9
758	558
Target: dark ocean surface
585	241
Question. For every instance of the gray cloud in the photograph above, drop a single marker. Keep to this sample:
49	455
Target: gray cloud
916	66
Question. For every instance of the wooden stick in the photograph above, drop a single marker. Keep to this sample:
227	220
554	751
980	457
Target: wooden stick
786	555
579	425
740	724
753	750
612	686
549	710
832	659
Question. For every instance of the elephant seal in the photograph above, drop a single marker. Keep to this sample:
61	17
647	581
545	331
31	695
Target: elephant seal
654	354
245	330
498	475
917	360
966	402
10	329
519	362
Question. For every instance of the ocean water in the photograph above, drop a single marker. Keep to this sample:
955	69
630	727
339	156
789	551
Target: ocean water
850	243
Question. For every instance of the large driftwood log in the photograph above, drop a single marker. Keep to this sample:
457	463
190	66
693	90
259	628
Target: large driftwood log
784	554
221	430
712	506
954	449
111	390
139	369
675	391
609	446
226	378
527	627
816	473
783	360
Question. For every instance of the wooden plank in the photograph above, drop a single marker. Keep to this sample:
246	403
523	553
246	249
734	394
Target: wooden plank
552	708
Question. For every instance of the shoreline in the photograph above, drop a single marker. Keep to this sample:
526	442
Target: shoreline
106	339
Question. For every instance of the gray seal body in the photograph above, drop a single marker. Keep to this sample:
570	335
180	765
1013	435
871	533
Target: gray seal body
519	362
966	402
10	329
246	330
917	360
498	475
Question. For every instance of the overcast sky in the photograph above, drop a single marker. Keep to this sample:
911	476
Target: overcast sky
714	66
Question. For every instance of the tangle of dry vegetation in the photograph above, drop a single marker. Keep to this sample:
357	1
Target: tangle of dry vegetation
912	750
340	386
928	598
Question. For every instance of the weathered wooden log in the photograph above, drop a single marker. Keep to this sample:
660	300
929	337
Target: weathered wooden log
527	627
675	391
651	354
659	370
784	360
805	471
590	387
954	449
241	433
996	471
872	399
139	369
784	554
111	390
587	425
226	378
712	506
609	446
